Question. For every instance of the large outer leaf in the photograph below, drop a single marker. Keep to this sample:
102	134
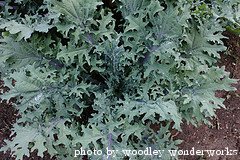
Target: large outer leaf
21	142
200	46
77	12
32	87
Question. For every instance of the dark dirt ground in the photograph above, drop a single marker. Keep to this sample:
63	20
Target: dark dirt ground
225	131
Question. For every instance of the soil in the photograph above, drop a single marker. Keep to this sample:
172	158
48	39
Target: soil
224	134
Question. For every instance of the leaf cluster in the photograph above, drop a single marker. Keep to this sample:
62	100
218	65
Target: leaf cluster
83	78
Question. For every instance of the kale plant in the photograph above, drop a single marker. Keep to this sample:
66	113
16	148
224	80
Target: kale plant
86	74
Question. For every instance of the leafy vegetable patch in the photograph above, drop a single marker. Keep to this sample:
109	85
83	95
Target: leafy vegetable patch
88	75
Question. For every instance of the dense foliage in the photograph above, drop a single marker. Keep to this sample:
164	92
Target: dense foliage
94	75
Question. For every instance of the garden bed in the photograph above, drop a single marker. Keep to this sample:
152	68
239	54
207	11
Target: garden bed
123	75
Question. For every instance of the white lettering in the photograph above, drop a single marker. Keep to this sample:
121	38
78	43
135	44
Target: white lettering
172	153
